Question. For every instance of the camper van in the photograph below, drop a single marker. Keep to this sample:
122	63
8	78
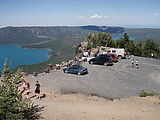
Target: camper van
120	52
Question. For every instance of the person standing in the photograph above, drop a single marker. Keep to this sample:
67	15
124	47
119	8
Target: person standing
25	88
132	62
136	63
37	90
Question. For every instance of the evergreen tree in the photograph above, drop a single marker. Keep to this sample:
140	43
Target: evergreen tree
109	40
151	47
129	47
126	37
138	49
100	39
120	43
105	39
12	105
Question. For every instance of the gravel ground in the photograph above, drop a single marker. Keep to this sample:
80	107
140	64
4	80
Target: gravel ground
117	81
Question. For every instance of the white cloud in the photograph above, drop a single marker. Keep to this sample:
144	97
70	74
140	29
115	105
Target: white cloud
80	17
110	18
135	17
156	14
97	17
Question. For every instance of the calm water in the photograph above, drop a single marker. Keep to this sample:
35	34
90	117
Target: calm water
20	56
117	36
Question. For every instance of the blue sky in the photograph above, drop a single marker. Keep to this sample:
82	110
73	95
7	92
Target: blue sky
125	13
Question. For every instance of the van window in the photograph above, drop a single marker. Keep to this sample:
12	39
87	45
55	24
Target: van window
114	51
109	51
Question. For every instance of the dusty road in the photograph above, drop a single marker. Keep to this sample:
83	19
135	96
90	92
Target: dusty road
117	81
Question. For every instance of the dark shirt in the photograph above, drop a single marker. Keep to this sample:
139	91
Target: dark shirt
37	86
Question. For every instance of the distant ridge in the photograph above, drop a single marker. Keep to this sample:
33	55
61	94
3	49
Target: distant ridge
70	34
33	34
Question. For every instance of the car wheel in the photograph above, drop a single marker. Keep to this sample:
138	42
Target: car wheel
119	57
65	71
105	64
91	62
79	73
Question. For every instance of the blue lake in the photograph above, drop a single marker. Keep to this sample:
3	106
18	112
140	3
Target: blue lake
117	36
20	56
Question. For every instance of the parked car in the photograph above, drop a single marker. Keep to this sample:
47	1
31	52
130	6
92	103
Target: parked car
76	69
103	59
114	57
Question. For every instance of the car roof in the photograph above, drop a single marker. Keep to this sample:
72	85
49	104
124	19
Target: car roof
103	54
76	66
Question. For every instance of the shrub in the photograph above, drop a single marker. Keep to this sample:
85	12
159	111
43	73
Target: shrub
103	49
143	93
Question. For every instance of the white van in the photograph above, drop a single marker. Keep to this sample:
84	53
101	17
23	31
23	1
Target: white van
120	52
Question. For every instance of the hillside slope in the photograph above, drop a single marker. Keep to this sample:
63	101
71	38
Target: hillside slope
144	33
62	39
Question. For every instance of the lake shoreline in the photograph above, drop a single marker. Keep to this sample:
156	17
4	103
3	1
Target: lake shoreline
31	58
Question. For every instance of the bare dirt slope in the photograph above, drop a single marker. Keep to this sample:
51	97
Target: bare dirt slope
81	107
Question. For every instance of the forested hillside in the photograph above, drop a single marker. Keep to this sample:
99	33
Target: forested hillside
144	33
27	35
63	40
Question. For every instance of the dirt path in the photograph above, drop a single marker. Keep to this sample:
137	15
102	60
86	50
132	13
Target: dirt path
81	107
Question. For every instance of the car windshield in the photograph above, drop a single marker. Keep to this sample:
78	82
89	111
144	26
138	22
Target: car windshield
104	55
80	67
76	67
97	57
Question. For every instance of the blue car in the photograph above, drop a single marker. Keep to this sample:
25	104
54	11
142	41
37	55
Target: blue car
76	69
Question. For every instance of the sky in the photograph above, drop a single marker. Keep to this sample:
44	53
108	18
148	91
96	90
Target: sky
124	13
